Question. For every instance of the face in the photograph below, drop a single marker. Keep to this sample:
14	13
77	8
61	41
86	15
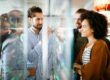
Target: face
78	20
37	20
86	30
4	28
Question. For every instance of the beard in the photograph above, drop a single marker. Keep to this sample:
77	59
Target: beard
78	26
38	27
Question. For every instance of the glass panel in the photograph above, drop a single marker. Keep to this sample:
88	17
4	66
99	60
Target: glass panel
57	37
59	20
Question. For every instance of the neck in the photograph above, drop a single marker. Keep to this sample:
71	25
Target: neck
35	30
91	41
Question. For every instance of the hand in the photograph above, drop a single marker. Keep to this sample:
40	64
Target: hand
49	30
32	71
79	72
77	66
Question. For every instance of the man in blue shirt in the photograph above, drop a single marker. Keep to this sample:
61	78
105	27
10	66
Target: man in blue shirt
34	45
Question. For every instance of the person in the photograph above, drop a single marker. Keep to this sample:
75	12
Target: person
16	21
93	61
13	63
78	41
34	47
35	17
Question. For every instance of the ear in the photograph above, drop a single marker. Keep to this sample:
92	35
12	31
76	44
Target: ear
30	20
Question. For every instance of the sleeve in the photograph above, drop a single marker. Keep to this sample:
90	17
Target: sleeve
7	54
13	60
34	52
95	68
12	55
79	59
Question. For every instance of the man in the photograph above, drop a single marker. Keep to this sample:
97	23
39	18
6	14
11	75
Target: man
13	63
35	66
34	46
78	41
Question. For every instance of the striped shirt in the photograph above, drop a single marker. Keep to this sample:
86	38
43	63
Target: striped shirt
86	55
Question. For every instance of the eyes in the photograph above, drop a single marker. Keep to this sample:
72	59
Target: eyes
84	26
79	19
39	19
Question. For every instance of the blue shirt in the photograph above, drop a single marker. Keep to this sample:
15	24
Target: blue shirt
34	52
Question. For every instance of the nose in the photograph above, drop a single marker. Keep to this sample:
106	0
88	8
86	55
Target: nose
79	21
40	21
76	21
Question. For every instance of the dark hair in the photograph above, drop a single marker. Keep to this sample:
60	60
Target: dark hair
33	10
81	10
97	22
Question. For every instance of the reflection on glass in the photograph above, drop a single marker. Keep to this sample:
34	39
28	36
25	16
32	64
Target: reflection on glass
12	60
57	22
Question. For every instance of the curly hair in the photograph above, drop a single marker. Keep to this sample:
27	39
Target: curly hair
98	22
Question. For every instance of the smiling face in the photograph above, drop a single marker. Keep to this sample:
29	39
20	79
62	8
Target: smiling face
37	20
86	30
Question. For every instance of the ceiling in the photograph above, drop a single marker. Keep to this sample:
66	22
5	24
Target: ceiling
50	7
87	4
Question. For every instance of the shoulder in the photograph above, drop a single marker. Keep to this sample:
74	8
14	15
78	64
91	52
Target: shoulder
8	41
11	41
99	46
100	43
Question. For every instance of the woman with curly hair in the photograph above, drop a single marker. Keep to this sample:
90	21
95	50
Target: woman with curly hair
93	60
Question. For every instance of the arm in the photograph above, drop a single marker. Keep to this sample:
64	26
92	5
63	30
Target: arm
78	67
13	59
78	62
12	55
33	55
34	52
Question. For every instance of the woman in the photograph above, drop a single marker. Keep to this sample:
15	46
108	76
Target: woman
93	60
